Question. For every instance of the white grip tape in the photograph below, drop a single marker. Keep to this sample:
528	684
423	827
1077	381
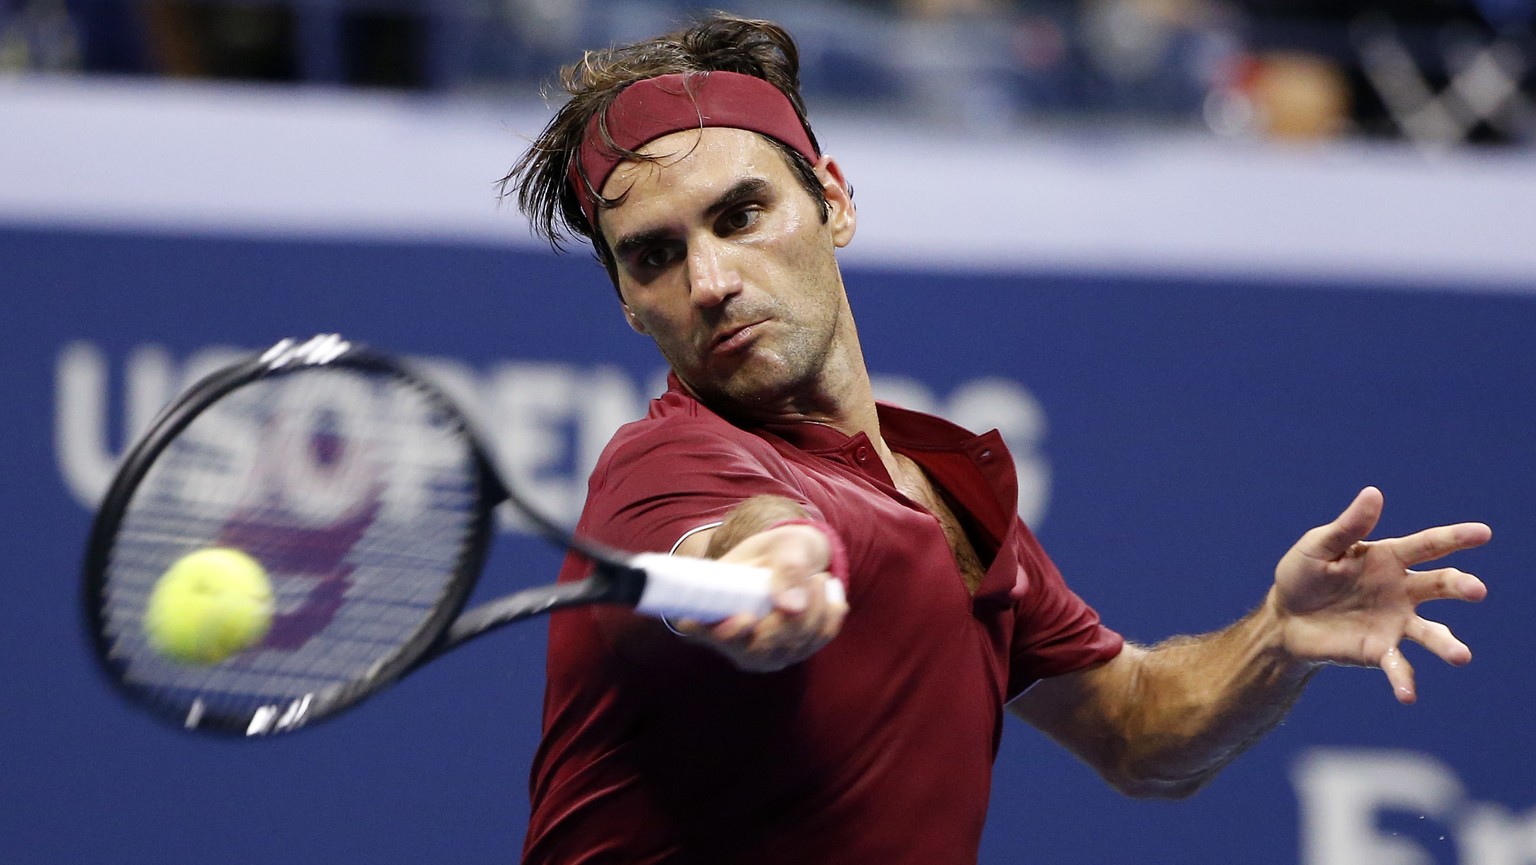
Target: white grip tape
683	587
703	589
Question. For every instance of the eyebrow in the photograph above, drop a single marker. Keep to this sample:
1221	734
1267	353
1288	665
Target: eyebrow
741	190
749	187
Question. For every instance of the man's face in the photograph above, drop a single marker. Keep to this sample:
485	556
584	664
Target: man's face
726	262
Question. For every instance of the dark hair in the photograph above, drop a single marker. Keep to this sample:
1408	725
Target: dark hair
541	179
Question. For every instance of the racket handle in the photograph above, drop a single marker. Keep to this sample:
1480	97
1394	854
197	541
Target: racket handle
682	587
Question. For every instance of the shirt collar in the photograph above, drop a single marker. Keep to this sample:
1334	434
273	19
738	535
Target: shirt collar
902	428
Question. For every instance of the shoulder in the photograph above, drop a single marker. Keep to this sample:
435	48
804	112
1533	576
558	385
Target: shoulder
662	477
673	440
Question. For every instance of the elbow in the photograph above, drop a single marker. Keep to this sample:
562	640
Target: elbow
1158	788
1154	780
1163	766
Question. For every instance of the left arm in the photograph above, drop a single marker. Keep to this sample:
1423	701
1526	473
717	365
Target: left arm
1162	721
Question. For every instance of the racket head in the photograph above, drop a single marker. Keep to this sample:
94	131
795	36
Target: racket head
362	490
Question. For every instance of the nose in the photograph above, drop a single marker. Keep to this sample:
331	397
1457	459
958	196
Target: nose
712	277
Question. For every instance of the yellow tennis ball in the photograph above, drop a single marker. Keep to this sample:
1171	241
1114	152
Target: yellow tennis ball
209	605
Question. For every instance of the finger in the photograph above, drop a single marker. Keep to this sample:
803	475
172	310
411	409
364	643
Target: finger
789	633
775	644
831	608
825	618
837	611
795	606
1438	638
733	629
793	600
804	632
1333	540
1444	584
803	601
1399	674
1438	542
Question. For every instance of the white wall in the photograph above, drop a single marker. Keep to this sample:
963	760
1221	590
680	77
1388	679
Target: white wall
196	157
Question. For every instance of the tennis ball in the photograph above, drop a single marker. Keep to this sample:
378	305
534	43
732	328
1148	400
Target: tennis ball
209	605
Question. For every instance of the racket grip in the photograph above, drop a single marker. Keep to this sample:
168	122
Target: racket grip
683	587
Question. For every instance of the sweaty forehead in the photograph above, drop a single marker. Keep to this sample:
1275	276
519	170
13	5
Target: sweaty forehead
689	164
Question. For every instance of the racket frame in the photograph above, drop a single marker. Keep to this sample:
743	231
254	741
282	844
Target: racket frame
613	579
655	584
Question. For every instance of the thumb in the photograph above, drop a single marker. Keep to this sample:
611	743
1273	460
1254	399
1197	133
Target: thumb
1355	524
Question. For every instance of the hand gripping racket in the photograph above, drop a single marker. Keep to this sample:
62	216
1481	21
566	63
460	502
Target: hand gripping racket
367	497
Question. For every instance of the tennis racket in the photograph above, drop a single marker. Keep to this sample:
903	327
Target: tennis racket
365	493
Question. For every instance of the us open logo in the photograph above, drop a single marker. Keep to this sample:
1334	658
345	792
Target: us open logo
546	421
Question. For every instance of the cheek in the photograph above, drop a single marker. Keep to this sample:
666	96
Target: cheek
811	261
797	247
642	308
656	325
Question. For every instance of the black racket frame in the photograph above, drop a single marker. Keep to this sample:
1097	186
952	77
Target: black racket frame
613	580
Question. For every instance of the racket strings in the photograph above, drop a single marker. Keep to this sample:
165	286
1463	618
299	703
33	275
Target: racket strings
357	492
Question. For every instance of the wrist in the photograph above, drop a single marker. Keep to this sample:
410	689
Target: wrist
1279	638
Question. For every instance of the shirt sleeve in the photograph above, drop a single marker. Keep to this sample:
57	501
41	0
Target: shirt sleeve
1055	631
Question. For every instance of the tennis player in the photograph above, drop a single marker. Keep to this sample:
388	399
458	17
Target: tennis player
865	731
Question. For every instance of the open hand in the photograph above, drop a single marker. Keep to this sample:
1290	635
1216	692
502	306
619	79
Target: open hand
1346	600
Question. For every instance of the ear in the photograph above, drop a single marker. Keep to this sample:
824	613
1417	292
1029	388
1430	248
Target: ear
842	218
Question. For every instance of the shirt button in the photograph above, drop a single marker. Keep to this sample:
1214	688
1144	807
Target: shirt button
862	454
986	455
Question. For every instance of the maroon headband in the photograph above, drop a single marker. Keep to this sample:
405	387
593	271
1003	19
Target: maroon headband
653	107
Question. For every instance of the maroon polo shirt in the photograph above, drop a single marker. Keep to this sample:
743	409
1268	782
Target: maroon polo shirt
879	748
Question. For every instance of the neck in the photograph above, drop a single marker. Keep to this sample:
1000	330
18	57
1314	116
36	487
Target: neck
839	395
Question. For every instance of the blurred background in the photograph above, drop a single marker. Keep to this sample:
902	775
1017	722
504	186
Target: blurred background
1210	266
1438	72
1435	72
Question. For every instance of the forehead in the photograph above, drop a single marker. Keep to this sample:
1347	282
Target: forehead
688	165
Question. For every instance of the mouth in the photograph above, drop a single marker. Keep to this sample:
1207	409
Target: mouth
734	339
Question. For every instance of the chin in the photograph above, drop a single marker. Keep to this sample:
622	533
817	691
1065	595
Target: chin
738	388
764	391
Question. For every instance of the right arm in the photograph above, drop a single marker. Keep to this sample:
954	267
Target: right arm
803	618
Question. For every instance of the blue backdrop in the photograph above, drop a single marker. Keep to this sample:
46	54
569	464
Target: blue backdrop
1181	434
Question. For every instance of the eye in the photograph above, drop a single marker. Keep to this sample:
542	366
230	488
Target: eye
656	257
739	220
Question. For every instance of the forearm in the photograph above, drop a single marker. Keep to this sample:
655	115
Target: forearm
1195	703
748	518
